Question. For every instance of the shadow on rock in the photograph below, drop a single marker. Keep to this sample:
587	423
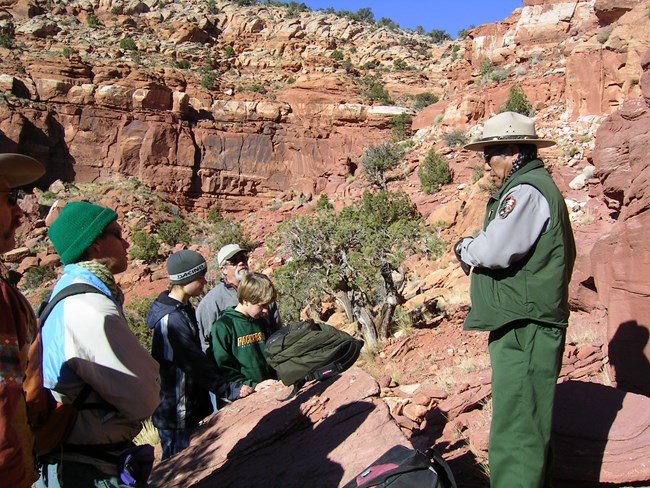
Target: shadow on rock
288	449
627	353
602	435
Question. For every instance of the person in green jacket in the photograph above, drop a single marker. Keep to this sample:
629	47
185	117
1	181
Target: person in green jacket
239	336
521	264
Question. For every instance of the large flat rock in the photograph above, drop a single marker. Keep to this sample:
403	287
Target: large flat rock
322	438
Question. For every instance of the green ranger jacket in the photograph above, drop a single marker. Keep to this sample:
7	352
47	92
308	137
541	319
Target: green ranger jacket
536	287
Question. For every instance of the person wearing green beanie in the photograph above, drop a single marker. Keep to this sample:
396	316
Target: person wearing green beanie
77	228
89	347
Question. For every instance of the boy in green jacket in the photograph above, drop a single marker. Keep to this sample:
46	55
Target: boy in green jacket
239	336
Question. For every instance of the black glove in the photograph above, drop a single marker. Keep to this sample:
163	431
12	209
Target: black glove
464	266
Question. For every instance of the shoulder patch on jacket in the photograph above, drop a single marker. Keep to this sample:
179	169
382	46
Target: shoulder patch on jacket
507	206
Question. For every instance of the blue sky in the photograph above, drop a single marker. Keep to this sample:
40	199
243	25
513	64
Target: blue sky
448	15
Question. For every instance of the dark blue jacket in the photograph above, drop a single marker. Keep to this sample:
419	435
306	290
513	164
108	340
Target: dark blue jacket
186	373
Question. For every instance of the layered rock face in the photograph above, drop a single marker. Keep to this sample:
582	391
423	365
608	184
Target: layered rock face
620	260
231	106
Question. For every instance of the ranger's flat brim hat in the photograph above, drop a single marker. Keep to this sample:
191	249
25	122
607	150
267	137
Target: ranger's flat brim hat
508	128
19	170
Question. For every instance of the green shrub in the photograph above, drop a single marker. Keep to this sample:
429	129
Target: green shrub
389	23
35	277
67	52
423	100
174	232
136	312
222	232
229	52
438	36
378	93
365	15
372	64
477	172
93	21
128	44
182	64
455	138
435	245
212	7
347	65
145	246
208	80
6	40
487	67
434	172
518	102
253	89
214	216
400	65
401	125
497	75
336	54
323	203
47	198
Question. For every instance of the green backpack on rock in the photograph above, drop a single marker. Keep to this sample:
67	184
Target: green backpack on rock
307	351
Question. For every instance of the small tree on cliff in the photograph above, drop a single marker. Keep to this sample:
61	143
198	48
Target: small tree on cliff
518	102
378	160
354	256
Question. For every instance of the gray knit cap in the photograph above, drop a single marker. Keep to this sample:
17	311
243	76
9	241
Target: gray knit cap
186	266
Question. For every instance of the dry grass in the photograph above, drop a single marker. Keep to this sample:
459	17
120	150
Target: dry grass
403	324
447	379
472	364
483	420
148	434
585	336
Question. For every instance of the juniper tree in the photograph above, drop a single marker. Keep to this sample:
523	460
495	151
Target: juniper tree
354	256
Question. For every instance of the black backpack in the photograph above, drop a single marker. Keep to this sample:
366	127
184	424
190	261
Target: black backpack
307	351
401	467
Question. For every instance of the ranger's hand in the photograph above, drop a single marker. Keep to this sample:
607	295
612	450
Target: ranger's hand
464	266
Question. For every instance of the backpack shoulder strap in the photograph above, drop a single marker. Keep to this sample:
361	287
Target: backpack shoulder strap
68	291
44	312
443	469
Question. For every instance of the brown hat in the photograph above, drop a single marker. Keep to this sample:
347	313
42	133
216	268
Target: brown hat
18	170
508	128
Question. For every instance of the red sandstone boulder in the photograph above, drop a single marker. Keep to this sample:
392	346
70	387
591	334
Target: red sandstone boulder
323	437
619	270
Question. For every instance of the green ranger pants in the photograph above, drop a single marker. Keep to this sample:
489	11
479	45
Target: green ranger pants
526	360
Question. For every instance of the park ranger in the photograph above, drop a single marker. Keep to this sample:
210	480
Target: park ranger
521	265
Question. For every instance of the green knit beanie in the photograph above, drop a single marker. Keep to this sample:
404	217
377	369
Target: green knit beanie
77	228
